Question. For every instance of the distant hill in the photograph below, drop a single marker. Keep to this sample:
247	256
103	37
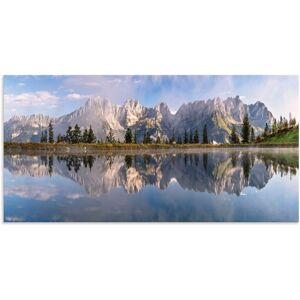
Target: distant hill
283	136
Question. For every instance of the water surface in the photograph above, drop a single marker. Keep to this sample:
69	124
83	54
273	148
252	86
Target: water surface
219	185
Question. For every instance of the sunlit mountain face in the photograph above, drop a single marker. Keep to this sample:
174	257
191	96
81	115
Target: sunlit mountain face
149	187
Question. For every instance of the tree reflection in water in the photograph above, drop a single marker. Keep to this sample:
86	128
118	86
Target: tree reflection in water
213	172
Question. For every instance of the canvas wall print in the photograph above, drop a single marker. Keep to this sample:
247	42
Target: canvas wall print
151	148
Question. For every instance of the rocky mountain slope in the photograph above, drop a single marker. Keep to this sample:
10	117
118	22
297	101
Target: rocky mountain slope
26	128
101	114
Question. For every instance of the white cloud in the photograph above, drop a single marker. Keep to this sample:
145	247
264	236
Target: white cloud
21	84
118	89
74	96
73	196
32	192
278	93
31	99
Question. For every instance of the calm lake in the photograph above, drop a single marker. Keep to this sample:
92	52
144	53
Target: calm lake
219	185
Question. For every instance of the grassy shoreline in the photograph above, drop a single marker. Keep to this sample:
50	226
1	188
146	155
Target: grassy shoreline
24	148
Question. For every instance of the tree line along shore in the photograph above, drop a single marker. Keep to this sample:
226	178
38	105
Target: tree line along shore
281	132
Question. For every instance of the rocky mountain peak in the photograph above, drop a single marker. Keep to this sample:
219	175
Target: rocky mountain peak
162	108
97	102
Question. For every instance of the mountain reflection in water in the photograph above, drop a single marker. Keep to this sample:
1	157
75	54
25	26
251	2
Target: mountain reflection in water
212	173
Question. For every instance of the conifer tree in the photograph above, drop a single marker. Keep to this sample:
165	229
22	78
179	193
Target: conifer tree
158	141
196	136
293	122
185	138
246	129
233	135
110	137
128	136
148	138
191	137
85	136
69	135
252	135
280	125
76	137
266	131
205	135
91	136
274	126
59	138
51	133
179	140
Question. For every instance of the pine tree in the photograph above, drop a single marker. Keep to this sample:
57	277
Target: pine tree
51	133
233	135
252	135
91	136
274	126
76	137
280	125
69	135
196	137
59	138
158	140
246	129
85	136
185	138
191	137
145	137
293	122
179	140
266	131
148	138
205	136
110	137
128	136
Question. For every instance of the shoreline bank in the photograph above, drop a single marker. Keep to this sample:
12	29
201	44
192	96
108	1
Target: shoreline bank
86	149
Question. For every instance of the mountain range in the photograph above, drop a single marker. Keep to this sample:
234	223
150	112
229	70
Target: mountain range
99	112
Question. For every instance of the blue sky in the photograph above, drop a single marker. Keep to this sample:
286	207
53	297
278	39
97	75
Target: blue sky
57	95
